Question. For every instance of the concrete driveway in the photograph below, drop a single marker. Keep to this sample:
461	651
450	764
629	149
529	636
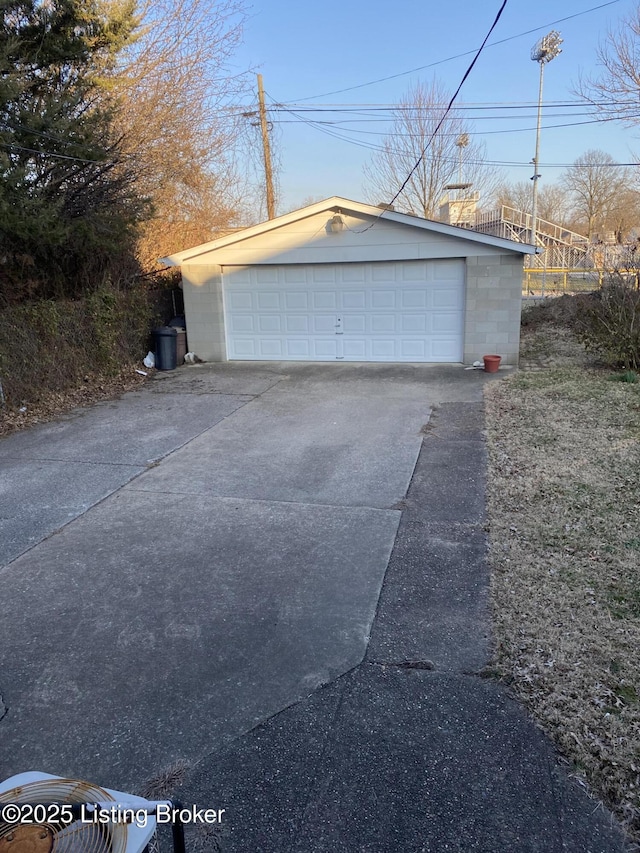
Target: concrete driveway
187	561
273	577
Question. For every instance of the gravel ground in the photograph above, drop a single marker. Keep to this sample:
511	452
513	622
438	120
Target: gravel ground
564	526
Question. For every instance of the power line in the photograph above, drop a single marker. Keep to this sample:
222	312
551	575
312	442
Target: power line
371	111
344	123
451	102
11	147
13	126
458	55
366	109
323	129
320	125
371	146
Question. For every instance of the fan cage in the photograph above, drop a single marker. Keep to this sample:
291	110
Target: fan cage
77	837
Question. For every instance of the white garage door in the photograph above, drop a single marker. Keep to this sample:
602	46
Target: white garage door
401	311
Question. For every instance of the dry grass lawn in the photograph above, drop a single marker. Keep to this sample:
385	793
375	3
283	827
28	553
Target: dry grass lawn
564	521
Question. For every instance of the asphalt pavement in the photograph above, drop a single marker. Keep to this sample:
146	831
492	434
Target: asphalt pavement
267	583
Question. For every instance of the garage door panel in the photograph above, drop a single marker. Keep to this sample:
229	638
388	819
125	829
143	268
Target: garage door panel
268	323
413	323
323	273
385	323
323	323
354	323
446	298
297	324
384	299
401	311
445	323
413	299
443	350
384	349
243	324
353	273
355	350
416	271
238	301
266	275
243	348
323	349
242	275
296	300
354	299
295	275
271	347
324	300
298	348
383	272
414	350
268	300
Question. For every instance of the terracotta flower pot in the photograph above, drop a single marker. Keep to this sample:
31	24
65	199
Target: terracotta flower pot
491	363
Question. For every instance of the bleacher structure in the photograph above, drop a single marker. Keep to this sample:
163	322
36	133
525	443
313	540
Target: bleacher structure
563	248
568	261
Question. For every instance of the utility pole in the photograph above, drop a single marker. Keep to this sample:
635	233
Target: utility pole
268	173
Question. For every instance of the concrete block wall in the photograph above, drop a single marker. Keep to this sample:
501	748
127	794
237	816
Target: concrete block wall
202	290
493	305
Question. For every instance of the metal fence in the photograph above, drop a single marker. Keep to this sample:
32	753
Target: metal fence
554	281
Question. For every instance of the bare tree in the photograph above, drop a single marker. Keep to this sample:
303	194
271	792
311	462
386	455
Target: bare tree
173	88
598	191
415	123
553	204
614	91
552	200
517	195
249	150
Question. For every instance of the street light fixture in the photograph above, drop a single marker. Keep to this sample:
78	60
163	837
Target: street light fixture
461	143
543	51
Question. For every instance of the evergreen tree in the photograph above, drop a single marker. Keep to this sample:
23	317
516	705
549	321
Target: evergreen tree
68	207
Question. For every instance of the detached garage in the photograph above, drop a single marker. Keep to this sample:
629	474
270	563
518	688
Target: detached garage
345	281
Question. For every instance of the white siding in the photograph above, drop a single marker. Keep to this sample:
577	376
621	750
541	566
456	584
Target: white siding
306	241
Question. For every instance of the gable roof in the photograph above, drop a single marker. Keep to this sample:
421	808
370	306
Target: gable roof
336	204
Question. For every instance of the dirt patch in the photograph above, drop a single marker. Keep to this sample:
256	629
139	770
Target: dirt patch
564	522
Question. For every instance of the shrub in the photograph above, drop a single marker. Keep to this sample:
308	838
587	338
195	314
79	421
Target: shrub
608	323
629	376
556	311
52	346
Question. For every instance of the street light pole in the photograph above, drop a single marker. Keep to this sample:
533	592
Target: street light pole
536	160
543	51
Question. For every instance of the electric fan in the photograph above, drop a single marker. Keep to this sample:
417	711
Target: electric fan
40	813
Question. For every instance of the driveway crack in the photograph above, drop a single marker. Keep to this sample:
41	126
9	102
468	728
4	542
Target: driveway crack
4	709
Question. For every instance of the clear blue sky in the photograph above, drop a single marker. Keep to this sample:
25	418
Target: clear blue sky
305	49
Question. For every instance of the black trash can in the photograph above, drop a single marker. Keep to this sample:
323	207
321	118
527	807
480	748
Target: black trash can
165	342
